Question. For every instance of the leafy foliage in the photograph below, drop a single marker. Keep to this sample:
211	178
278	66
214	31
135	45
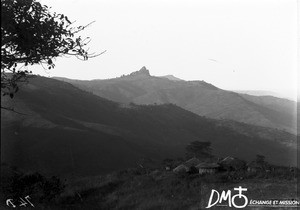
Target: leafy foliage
44	189
260	159
31	34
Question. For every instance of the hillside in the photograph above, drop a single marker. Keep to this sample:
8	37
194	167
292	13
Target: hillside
265	93
199	97
137	188
68	131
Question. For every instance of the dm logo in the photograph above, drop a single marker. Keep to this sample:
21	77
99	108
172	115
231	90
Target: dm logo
216	198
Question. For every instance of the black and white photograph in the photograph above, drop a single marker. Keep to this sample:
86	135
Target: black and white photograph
150	104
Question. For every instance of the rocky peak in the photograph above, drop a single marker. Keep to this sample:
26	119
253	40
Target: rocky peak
143	71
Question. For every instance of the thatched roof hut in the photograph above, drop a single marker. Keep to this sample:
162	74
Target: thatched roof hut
192	162
255	166
232	164
181	168
208	168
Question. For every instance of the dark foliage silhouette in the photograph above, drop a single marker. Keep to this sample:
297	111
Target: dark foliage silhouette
31	34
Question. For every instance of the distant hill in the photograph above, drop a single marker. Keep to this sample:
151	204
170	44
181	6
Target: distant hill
263	93
199	97
68	131
171	77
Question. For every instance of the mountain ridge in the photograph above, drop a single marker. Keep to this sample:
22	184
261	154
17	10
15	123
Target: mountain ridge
199	97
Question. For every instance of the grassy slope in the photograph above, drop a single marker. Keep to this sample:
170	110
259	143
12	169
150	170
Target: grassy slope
130	189
119	136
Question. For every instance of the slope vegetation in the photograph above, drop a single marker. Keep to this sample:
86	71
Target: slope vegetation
68	131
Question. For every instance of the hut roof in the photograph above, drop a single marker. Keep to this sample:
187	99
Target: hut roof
180	168
192	162
228	158
207	165
232	161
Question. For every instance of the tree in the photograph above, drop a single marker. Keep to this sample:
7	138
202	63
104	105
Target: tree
31	34
199	149
260	159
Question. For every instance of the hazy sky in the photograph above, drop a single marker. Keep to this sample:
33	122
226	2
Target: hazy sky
233	44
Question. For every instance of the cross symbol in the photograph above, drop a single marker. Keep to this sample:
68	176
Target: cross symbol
240	189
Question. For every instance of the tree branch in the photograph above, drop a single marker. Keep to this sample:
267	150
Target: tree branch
12	110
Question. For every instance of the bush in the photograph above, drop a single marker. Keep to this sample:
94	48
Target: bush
34	184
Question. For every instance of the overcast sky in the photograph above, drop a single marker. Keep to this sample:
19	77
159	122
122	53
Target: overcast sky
233	44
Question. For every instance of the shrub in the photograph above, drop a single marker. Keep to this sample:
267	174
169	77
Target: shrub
34	184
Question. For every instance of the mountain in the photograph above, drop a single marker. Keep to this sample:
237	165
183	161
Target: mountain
198	97
65	130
